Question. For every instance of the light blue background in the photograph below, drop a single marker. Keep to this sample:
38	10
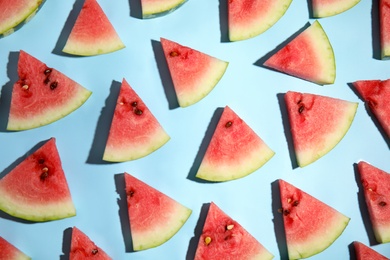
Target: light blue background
250	90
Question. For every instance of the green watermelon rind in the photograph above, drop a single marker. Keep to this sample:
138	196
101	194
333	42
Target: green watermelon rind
50	116
161	10
37	213
255	161
260	25
155	238
336	8
112	154
19	22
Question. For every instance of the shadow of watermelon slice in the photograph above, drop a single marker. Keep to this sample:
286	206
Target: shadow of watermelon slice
6	90
193	244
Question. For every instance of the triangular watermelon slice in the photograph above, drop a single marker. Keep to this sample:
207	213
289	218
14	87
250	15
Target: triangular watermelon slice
364	252
308	56
82	247
15	13
154	217
36	189
310	225
317	123
194	73
384	28
134	131
326	8
234	151
376	95
42	95
224	238
247	19
9	252
92	33
157	8
376	188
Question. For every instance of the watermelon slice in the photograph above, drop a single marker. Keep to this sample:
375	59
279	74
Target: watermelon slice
384	28
317	123
10	252
376	188
224	238
326	8
376	94
42	95
15	13
234	151
134	131
364	252
36	189
308	56
154	217
310	225
157	8
92	33
248	18
194	74
82	247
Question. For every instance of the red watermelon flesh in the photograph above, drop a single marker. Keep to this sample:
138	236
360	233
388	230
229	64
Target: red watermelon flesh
308	56
326	8
36	189
15	13
376	94
134	131
194	73
224	238
364	252
376	188
10	252
249	18
234	151
82	247
154	217
310	225
317	123
92	33
157	8
384	27
42	95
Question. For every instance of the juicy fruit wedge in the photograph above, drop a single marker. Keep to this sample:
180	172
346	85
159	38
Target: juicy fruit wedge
194	74
364	252
308	56
157	8
310	225
92	33
15	13
234	151
42	95
134	131
376	95
82	247
247	19
154	217
384	28
224	238
317	124
326	8
36	189
376	187
10	252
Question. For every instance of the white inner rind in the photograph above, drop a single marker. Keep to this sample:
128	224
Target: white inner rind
330	8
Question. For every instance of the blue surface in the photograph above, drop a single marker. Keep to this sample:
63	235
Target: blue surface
250	90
